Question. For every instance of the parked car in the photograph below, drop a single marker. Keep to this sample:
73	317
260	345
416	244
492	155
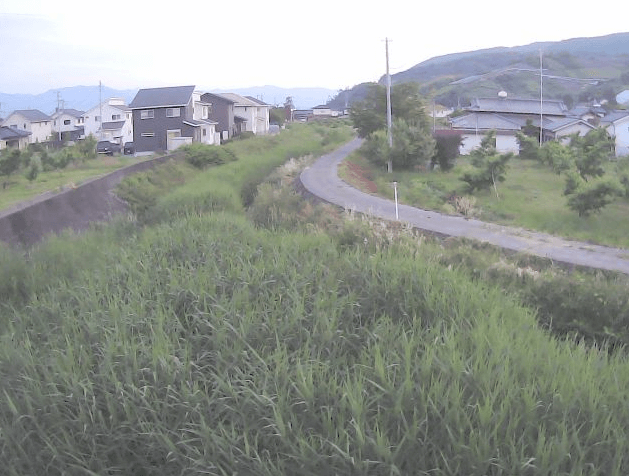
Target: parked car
107	147
129	148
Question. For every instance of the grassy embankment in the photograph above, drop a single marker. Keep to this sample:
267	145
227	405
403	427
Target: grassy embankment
202	344
531	197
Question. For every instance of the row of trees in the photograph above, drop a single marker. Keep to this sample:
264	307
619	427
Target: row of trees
414	144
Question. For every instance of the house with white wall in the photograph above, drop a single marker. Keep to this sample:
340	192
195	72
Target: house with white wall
67	124
251	112
111	120
617	125
10	137
33	121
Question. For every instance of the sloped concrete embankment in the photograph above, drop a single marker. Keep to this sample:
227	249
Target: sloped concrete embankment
74	208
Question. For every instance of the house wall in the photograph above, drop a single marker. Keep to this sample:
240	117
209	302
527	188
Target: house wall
40	131
20	143
222	112
248	112
620	132
262	120
158	127
92	125
504	143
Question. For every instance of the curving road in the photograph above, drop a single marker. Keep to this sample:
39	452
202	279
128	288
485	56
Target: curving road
321	179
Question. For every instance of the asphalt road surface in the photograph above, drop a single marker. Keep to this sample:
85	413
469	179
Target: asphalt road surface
321	179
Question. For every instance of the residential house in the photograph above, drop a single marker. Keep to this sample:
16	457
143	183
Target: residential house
252	113
10	137
67	124
110	120
617	125
323	112
228	124
33	121
302	115
507	116
165	118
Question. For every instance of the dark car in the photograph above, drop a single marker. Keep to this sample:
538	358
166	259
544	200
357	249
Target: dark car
106	147
129	148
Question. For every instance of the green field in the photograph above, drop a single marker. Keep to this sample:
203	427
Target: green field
531	197
279	338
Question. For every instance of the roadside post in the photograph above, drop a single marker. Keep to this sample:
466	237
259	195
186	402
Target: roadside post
397	216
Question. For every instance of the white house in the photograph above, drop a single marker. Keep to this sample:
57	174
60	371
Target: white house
617	125
111	120
33	121
252	111
67	124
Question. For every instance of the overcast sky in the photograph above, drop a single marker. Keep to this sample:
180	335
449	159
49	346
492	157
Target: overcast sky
335	44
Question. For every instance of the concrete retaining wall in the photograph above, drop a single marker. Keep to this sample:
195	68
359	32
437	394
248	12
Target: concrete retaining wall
75	208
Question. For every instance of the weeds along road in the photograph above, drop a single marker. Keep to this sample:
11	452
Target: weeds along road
321	179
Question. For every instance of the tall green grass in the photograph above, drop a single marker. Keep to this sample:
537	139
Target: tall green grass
205	344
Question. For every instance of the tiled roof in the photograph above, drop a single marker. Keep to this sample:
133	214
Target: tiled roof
162	97
8	133
518	106
559	124
258	101
485	121
239	100
70	112
33	115
614	116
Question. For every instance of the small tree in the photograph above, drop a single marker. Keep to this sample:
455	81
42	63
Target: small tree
447	149
586	198
557	156
529	146
590	151
10	161
490	167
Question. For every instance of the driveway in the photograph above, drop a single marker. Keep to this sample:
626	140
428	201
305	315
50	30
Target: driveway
321	179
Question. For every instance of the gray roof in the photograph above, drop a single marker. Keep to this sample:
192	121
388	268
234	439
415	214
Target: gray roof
614	116
258	101
518	106
485	121
8	133
162	97
70	112
33	115
238	99
559	124
220	97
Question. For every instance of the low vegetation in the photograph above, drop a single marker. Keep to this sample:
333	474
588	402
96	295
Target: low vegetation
284	338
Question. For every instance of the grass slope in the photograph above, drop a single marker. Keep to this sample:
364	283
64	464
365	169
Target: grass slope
205	345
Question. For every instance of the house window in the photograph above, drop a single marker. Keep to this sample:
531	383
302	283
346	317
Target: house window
148	134
66	122
96	118
147	114
173	112
204	132
115	117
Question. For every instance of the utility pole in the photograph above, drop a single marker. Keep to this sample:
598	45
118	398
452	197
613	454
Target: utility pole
541	99
100	103
389	131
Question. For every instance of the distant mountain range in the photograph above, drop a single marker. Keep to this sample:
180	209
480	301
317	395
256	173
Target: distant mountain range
83	98
575	70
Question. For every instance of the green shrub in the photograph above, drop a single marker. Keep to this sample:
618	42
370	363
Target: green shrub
203	155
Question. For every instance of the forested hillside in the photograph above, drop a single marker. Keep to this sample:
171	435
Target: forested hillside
575	70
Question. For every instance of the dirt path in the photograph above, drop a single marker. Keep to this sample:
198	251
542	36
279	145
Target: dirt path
321	179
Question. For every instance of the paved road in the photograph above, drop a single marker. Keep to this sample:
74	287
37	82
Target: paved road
321	179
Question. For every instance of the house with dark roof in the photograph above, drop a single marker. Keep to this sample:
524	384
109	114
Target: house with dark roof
67	124
507	116
253	113
10	137
166	118
31	120
110	120
222	111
